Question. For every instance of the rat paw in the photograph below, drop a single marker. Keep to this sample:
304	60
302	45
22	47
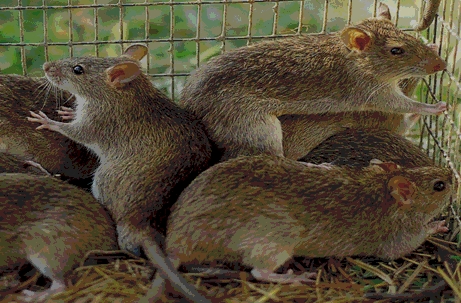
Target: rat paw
46	122
434	109
288	278
66	113
35	296
437	227
37	165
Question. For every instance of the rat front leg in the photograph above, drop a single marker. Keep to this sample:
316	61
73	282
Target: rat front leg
403	104
437	227
46	123
67	129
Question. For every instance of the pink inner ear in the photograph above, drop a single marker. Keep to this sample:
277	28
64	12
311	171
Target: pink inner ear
402	190
115	74
362	41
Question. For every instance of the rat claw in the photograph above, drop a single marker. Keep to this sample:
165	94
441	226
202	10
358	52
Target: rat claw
43	119
66	113
441	106
432	109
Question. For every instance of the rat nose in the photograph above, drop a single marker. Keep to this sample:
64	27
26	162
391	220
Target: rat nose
46	66
436	66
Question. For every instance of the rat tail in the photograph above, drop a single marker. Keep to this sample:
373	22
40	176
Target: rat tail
167	270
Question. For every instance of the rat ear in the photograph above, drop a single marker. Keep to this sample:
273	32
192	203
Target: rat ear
136	51
355	38
402	190
122	73
383	11
386	166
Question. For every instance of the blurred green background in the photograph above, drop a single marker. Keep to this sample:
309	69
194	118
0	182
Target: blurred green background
154	21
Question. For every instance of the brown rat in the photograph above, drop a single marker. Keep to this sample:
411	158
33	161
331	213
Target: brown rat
50	224
240	94
55	152
357	147
149	148
263	210
301	133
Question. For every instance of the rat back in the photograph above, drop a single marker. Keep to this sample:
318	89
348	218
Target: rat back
357	147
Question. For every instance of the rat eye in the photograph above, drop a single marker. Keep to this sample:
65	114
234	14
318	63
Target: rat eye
78	69
439	186
397	51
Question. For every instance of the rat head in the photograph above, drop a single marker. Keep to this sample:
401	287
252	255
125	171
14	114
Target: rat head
420	192
90	74
387	52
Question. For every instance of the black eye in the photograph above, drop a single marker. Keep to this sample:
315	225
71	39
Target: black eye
78	69
439	186
397	51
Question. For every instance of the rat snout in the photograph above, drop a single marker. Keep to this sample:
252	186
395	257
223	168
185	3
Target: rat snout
436	65
50	69
46	66
52	72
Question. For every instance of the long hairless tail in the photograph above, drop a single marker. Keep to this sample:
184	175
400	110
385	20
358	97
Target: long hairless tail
167	270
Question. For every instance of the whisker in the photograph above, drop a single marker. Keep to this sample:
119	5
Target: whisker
47	89
374	90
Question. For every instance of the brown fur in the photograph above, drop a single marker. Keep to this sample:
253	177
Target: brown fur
149	148
240	94
50	224
55	152
357	147
261	211
302	133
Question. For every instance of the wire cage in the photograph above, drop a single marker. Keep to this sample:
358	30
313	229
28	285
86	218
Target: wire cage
181	35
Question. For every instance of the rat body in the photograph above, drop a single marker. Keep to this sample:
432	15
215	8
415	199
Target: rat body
149	148
302	133
240	94
55	152
357	147
50	224
263	210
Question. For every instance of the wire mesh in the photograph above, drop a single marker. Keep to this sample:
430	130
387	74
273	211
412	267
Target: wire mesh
181	35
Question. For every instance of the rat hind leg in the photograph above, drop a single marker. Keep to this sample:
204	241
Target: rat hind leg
57	286
50	246
264	271
266	250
